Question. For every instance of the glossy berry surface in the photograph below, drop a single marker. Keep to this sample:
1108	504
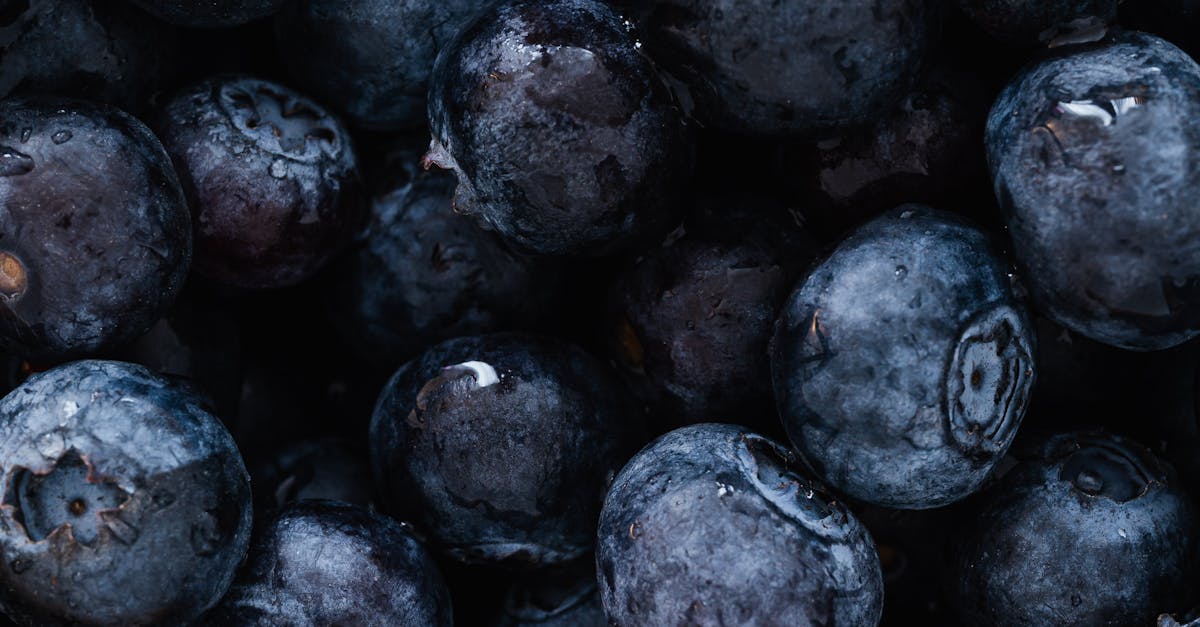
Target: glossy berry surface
902	363
1090	153
94	237
563	137
691	319
501	447
114	480
1076	505
330	563
370	59
210	13
710	524
271	177
790	67
424	274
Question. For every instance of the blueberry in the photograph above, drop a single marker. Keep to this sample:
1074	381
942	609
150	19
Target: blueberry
563	137
556	598
123	500
271	177
330	563
501	447
790	67
104	51
1090	529
924	149
1031	22
711	525
210	13
370	59
94	237
692	318
1090	157
902	363
426	274
317	469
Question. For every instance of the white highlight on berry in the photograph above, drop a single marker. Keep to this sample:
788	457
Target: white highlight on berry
485	375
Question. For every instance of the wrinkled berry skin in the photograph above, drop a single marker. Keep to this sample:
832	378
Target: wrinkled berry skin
210	13
501	447
691	319
563	137
1033	22
330	563
902	363
271	178
767	68
102	51
94	235
115	480
709	525
1077	506
370	59
1091	159
425	274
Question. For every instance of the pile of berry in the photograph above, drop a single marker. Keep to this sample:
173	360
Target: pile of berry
599	312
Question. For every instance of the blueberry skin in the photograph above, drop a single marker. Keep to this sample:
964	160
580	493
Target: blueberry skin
116	480
1033	22
271	177
710	525
425	274
924	149
318	469
562	135
329	563
566	597
500	447
1081	506
691	319
94	235
102	51
1090	153
902	363
210	13
370	59
769	68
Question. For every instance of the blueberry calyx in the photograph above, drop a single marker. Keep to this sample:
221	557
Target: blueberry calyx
989	381
280	123
68	501
1098	467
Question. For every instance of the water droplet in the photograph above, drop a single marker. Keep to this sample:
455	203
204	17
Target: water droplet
278	169
1119	168
13	163
19	566
1121	532
901	272
61	137
26	134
